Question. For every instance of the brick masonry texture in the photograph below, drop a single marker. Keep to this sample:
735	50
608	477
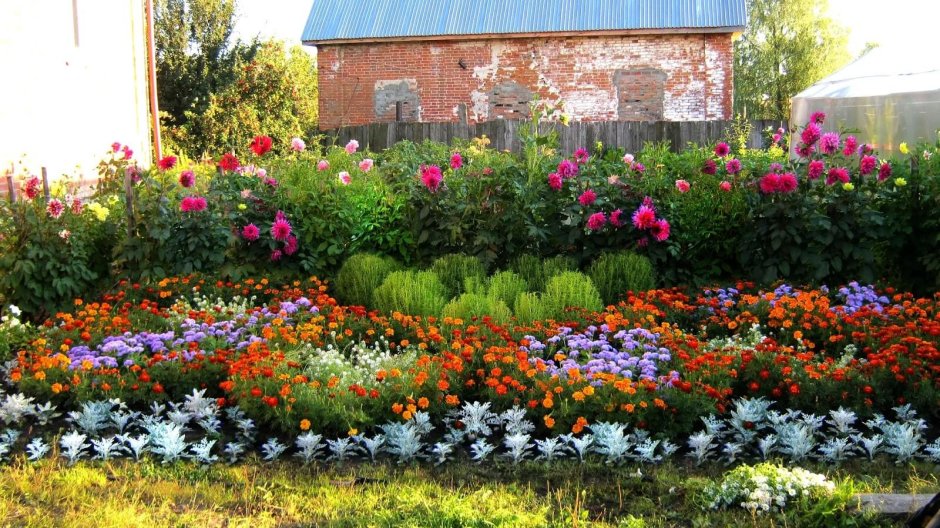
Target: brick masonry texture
671	77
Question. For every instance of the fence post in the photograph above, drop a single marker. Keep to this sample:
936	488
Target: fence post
45	184
11	189
129	202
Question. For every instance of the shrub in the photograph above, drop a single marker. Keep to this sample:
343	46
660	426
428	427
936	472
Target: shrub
360	275
528	308
616	273
570	289
506	286
455	269
411	292
471	305
536	271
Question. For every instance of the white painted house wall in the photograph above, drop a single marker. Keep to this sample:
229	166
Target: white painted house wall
74	80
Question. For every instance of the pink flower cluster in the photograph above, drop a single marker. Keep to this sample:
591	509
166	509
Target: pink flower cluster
431	177
193	204
644	219
773	183
456	161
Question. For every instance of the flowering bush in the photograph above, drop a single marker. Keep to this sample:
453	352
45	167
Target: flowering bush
766	487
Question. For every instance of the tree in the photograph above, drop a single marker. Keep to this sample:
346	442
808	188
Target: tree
193	54
275	94
787	46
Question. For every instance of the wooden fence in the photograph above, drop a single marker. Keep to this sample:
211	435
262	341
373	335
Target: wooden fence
504	134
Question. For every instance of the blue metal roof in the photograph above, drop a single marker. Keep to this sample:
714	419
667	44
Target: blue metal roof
345	20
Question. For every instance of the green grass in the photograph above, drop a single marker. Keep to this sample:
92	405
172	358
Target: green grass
288	494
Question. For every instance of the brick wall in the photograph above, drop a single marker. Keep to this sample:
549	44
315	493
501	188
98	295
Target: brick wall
639	77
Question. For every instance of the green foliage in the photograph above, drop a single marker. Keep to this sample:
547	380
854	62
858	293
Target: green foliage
360	275
614	274
274	93
455	269
536	271
787	46
506	286
194	56
411	292
475	305
528	308
47	262
570	289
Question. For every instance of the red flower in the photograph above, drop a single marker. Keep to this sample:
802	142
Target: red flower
167	162
261	145
229	162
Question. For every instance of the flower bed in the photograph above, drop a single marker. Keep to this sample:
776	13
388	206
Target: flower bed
785	372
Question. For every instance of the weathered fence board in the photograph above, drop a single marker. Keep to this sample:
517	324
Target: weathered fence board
504	134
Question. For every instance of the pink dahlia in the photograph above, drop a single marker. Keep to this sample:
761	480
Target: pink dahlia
55	208
280	229
581	156
725	186
710	167
251	232
567	169
456	161
867	165
167	162
769	183
884	172
639	167
297	144
352	146
837	174
788	183
187	204
615	219
816	169
733	166
587	198
554	181
323	165
31	189
644	217
722	149
260	145
187	178
76	205
818	117
683	186
596	221
805	151
116	146
128	153
811	134
290	247
366	165
431	177
660	230
276	255
851	145
628	159
344	177
829	143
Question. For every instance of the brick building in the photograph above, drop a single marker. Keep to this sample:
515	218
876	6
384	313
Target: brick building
450	60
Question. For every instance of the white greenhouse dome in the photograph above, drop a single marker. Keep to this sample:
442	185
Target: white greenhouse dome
889	96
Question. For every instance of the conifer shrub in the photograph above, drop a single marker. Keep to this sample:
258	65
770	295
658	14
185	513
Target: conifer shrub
528	308
470	305
359	277
614	274
506	286
570	289
454	269
536	271
412	293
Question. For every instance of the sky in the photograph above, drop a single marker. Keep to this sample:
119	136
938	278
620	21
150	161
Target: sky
898	23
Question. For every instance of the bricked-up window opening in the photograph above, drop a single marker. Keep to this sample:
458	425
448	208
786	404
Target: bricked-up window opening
389	94
640	94
509	100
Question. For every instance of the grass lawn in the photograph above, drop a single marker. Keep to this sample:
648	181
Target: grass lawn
122	493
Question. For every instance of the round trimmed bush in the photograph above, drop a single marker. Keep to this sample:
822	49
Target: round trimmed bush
471	305
360	275
570	289
411	293
614	274
455	269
